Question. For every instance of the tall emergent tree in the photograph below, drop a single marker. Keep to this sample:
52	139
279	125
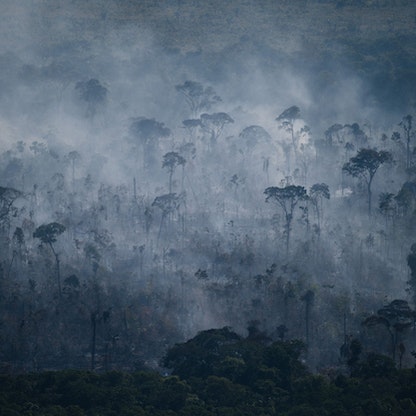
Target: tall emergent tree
47	234
364	165
214	124
286	198
146	132
286	122
73	157
317	193
168	204
93	94
406	125
7	198
198	97
171	161
396	317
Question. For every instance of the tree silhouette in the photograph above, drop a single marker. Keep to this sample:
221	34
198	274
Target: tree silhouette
317	193
253	135
286	122
286	198
93	94
198	97
7	198
171	161
406	125
364	165
386	205
168	204
146	132
73	157
396	317
411	262
214	124
308	298
47	234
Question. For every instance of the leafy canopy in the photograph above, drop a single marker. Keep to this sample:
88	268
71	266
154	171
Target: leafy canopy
47	233
367	161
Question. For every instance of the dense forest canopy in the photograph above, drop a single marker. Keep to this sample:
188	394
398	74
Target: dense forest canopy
171	167
219	372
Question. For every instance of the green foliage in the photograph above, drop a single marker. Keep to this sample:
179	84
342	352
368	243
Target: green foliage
275	382
198	356
376	365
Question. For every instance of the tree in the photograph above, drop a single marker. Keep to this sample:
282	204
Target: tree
214	124
406	198
93	94
47	234
411	262
253	135
287	199
386	205
396	317
332	135
317	193
287	119
198	97
286	122
146	132
192	126
365	165
73	157
308	298
7	198
171	161
359	138
168	204
18	244
198	356
406	125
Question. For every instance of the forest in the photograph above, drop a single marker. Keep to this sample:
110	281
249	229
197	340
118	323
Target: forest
161	180
219	372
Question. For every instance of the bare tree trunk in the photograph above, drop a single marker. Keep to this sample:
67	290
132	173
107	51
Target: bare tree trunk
93	340
58	269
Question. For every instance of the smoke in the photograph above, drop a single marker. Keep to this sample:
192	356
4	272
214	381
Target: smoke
261	58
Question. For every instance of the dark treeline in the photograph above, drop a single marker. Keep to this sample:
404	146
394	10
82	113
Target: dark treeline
220	373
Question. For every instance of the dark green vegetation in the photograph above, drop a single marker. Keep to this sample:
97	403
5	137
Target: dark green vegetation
221	373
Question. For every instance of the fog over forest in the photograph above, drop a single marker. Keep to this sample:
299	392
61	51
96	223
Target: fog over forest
168	167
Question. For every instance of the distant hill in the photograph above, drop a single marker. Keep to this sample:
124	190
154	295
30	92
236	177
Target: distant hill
373	39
